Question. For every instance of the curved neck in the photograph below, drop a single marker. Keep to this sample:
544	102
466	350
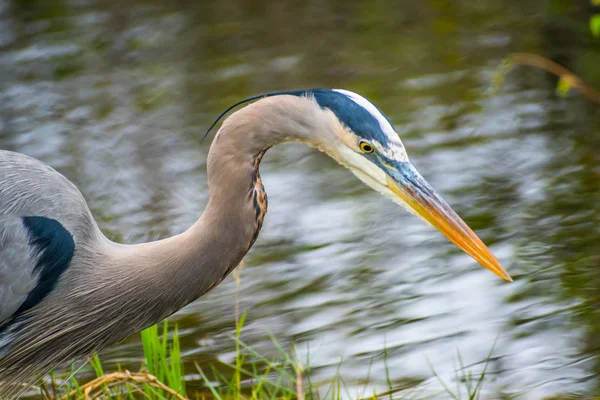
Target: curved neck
195	261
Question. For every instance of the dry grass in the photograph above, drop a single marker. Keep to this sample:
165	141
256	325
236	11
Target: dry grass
97	388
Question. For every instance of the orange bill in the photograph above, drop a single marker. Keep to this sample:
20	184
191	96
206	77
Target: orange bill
406	182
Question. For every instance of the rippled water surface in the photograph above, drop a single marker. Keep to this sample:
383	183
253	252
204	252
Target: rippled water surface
117	96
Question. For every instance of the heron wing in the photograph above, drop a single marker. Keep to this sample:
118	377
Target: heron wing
40	214
17	263
30	187
34	252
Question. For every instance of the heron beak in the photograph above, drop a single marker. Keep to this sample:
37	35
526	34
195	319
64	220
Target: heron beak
406	182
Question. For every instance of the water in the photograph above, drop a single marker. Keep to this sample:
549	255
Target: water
117	98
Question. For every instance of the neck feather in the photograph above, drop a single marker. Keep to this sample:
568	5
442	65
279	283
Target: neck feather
192	263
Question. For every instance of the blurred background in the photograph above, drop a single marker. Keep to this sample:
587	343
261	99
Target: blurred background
117	95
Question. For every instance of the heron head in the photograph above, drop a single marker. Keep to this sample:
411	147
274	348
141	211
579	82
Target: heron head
368	145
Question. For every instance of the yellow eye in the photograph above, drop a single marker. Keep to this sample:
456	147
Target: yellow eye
366	147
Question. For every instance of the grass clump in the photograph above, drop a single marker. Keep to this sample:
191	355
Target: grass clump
163	360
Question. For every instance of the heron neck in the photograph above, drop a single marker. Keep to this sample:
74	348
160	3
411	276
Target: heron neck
195	261
237	202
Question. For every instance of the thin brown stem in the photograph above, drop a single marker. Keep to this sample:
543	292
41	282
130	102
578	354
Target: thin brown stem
45	391
564	74
299	391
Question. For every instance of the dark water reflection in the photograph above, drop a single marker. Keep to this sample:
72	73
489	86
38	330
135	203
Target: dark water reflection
116	95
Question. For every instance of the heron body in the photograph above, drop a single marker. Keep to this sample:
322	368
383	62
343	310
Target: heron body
66	290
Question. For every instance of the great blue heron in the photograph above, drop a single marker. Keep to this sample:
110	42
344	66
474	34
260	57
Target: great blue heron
66	290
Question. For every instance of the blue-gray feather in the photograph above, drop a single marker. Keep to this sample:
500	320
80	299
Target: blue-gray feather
17	261
34	252
56	248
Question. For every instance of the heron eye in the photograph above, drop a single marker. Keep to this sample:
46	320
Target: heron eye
366	147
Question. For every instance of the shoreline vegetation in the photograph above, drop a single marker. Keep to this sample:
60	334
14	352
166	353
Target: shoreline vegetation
161	377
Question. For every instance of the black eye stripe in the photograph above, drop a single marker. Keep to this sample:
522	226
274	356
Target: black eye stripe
352	114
